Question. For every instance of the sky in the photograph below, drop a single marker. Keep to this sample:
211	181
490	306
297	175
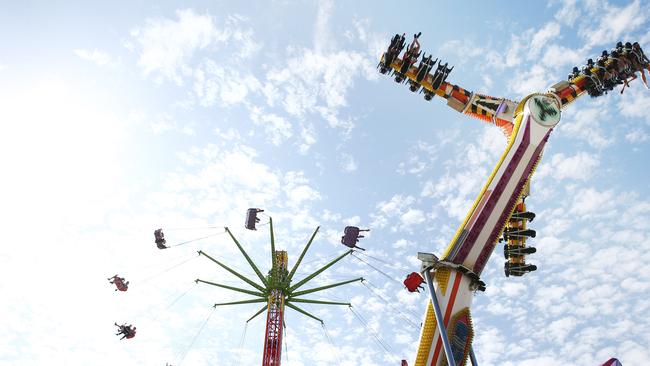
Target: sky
120	118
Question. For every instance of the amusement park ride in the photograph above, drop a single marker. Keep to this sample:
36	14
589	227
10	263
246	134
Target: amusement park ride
499	212
276	289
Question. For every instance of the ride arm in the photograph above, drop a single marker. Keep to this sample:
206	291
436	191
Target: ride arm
231	288
243	278
294	307
315	289
320	302
610	70
308	278
258	313
273	260
248	259
498	111
252	301
304	251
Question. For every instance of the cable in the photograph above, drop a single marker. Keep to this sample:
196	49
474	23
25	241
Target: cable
241	344
378	289
196	336
193	228
168	269
148	311
373	333
197	239
376	269
179	297
377	259
286	346
329	339
390	304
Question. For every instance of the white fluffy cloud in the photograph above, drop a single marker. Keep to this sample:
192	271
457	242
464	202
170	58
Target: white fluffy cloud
399	214
618	22
348	163
276	128
585	126
541	38
167	46
96	56
578	167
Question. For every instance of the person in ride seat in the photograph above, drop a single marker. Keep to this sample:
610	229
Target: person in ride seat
119	283
413	282
414	47
127	331
160	239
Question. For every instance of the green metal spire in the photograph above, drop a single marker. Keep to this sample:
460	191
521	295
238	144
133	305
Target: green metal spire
248	259
304	251
294	307
328	265
304	292
231	288
242	277
273	264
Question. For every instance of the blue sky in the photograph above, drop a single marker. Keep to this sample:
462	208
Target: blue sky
119	119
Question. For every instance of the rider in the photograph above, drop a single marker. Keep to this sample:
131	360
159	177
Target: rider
413	282
414	47
127	331
119	283
160	239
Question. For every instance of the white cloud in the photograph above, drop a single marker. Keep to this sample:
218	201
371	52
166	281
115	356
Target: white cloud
557	56
311	77
420	158
397	207
585	125
547	33
591	201
307	138
402	243
617	23
636	103
412	217
96	56
535	79
215	83
516	53
323	40
298	190
317	81
559	329
636	136
348	163
168	46
568	13
276	128
578	167
463	50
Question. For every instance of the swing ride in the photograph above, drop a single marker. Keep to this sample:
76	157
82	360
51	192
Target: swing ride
499	213
276	289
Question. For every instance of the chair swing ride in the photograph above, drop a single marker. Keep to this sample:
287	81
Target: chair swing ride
499	213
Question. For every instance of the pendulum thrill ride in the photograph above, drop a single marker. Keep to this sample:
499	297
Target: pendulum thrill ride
499	212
